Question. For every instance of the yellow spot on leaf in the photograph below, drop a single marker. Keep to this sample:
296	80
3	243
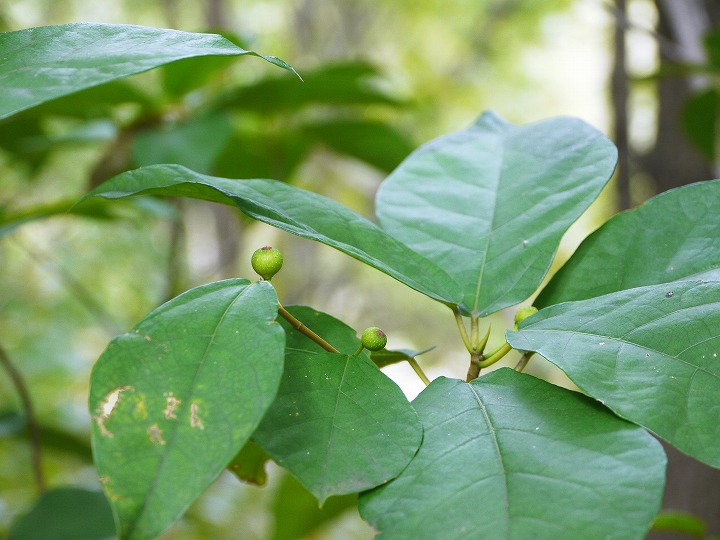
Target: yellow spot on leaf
171	404
195	421
107	406
155	434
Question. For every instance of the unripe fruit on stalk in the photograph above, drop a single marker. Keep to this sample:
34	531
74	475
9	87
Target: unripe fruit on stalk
373	339
524	313
267	261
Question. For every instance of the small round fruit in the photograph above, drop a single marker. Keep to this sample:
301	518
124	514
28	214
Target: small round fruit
524	313
267	261
374	339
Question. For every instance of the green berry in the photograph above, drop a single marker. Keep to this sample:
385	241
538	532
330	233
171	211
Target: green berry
374	339
524	313
267	261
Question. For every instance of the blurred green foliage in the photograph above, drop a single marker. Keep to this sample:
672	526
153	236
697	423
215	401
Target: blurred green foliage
379	78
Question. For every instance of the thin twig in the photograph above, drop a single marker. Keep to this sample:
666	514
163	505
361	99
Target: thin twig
304	330
33	427
524	359
79	291
418	370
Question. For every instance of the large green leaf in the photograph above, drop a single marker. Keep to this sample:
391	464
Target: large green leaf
651	354
40	64
175	399
300	212
489	204
66	514
673	236
338	424
511	456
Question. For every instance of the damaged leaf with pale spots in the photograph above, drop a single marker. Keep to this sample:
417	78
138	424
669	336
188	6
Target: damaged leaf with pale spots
173	401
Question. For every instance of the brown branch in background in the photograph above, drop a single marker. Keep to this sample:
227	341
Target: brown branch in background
33	427
620	107
175	272
78	290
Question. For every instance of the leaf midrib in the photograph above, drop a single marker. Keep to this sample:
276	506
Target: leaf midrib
175	425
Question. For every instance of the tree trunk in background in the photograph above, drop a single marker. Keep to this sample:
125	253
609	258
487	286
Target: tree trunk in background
216	15
620	90
673	161
691	486
227	224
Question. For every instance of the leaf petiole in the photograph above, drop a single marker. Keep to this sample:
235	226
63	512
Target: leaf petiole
418	370
461	327
304	330
524	359
496	355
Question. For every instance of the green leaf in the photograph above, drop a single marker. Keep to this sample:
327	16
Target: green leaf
297	514
184	76
384	357
673	236
259	154
337	333
297	211
249	464
700	120
196	142
376	143
66	514
489	204
680	522
341	84
101	210
44	63
175	399
13	424
711	40
511	456
338	424
93	102
651	354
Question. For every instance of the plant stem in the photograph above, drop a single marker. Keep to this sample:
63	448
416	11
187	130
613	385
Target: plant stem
480	347
418	370
474	369
32	425
524	359
496	355
474	331
461	327
304	330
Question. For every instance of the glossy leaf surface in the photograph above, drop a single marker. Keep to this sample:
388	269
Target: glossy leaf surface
174	400
44	63
338	424
651	354
509	456
673	236
489	204
300	212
